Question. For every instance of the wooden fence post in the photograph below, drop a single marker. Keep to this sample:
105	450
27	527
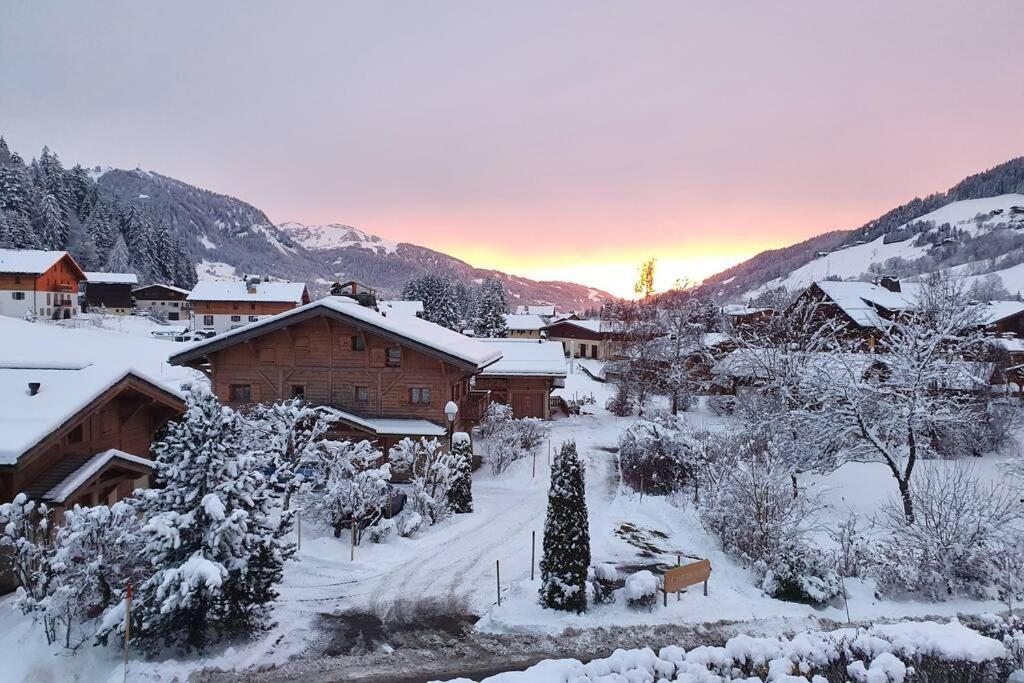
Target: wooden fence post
497	570
533	552
353	558
298	529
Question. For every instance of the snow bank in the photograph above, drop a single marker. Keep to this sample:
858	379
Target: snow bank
880	654
641	585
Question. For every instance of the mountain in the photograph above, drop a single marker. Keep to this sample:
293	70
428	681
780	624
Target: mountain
356	255
227	237
975	228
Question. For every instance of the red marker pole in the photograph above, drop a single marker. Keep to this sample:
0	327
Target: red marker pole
127	626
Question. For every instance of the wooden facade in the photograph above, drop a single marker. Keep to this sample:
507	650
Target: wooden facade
328	359
527	396
114	297
125	417
52	293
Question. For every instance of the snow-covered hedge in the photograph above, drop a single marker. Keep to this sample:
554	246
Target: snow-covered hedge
881	654
657	457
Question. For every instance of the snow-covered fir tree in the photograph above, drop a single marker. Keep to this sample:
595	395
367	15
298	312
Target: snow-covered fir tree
213	535
563	568
492	305
440	301
118	260
353	485
460	495
51	223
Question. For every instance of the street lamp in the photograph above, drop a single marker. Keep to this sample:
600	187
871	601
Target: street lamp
451	409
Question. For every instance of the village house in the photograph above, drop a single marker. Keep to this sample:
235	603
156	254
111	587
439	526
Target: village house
221	306
584	338
109	292
525	376
158	298
518	325
78	433
545	311
388	376
40	283
859	309
1004	318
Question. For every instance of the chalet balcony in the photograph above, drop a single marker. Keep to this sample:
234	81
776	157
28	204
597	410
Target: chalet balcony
475	405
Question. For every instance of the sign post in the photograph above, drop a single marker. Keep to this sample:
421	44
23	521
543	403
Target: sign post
127	626
678	578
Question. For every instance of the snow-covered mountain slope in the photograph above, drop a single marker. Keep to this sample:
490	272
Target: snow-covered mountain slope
971	228
948	226
335	236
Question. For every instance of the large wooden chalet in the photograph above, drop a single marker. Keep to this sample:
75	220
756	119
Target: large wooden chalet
222	306
584	338
389	376
40	283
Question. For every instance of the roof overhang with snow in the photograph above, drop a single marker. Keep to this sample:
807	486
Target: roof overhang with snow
410	331
95	465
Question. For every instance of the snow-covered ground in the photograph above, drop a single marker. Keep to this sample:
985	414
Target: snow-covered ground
454	563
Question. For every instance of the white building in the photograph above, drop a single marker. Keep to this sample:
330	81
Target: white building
41	283
166	300
523	325
220	306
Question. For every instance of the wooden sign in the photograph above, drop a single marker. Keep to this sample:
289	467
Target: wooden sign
688	575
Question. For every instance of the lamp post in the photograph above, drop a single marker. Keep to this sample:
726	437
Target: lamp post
451	409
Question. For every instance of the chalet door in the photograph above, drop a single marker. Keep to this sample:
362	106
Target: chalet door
593	350
528	405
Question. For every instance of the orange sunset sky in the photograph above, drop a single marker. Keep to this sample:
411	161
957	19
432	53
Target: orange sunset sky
566	140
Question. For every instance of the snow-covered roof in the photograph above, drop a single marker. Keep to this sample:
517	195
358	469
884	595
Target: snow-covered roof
759	363
74	481
179	290
545	311
592	325
238	290
29	261
112	278
530	357
390	426
861	300
994	311
416	331
743	309
399	307
64	390
523	322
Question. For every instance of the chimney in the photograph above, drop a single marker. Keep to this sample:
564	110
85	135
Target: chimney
33	388
890	282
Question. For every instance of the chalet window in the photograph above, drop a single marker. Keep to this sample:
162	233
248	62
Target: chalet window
358	343
75	435
236	318
47	298
394	357
253	318
234	307
208	320
240	393
267	355
18	296
420	396
362	395
299	391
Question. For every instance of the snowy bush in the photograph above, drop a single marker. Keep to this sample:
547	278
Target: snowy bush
963	537
722	405
288	436
854	551
641	590
603	579
505	439
433	471
355	486
494	418
656	458
750	505
621	403
889	653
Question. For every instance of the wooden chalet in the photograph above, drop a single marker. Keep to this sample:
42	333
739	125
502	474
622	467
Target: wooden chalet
859	309
525	376
168	300
583	338
78	433
220	306
388	376
40	283
110	292
524	325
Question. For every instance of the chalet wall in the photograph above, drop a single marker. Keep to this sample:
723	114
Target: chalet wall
317	358
528	396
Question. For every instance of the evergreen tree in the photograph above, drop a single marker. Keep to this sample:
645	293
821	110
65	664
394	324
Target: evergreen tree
212	533
460	495
16	191
440	302
118	259
491	309
80	191
48	176
102	226
51	223
139	237
563	568
16	231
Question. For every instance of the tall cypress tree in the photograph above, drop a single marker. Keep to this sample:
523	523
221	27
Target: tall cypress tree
563	569
460	495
